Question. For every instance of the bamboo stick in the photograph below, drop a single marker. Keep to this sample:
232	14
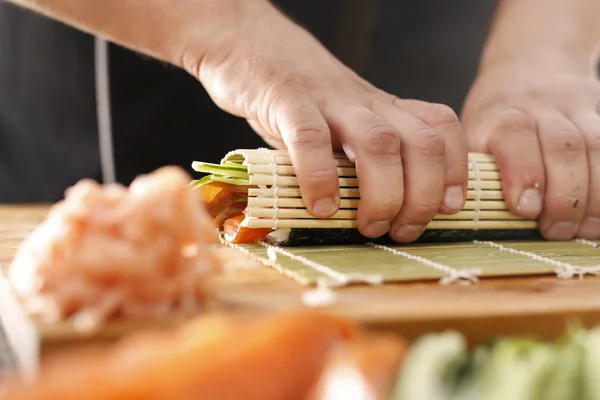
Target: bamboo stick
286	160
299	213
279	196
353	193
281	157
342	171
350	223
484	175
264	202
288	170
271	180
295	192
293	181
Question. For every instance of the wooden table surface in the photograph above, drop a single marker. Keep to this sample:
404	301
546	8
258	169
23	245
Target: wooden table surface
539	306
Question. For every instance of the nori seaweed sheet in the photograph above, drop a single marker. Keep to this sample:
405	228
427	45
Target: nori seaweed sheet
334	236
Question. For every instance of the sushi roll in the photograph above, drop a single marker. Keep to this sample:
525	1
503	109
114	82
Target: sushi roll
253	196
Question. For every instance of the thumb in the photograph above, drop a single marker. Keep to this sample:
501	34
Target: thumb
511	136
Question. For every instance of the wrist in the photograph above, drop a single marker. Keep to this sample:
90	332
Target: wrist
200	41
536	57
555	34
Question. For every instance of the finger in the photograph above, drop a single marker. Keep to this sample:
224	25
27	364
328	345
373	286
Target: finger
375	145
589	125
444	119
565	159
423	160
511	136
308	139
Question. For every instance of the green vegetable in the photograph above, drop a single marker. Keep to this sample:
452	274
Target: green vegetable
228	172
233	170
513	370
439	368
427	364
591	365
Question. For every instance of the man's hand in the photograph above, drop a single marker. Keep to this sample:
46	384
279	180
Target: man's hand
535	106
255	63
543	126
410	156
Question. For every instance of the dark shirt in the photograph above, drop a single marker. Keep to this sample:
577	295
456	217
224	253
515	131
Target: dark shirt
160	115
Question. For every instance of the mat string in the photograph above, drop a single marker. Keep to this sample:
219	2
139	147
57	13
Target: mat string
339	278
323	294
477	176
275	188
461	276
563	270
586	242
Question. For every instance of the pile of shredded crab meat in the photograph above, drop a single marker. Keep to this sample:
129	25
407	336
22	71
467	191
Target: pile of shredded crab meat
110	251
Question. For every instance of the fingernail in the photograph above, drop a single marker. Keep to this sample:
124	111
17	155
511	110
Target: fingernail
561	231
324	208
530	202
453	198
408	232
590	228
376	229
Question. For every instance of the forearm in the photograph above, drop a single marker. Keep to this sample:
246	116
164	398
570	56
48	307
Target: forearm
543	30
166	30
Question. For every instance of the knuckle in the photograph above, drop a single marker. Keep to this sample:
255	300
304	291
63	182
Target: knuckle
383	209
565	202
511	126
439	114
566	143
421	213
513	121
308	134
430	142
381	140
593	140
591	133
318	175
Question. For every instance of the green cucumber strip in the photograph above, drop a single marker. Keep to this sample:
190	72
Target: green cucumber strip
219	178
225	170
204	180
231	181
225	165
235	165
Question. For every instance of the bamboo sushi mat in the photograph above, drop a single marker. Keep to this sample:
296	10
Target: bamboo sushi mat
465	262
274	197
274	202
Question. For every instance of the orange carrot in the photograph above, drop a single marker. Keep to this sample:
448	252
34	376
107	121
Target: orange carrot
275	358
239	234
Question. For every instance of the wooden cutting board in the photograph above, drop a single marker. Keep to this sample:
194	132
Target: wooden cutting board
539	306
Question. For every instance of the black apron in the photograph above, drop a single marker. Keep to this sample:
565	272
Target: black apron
52	98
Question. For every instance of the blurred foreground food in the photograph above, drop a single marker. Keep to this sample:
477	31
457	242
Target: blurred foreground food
109	251
280	357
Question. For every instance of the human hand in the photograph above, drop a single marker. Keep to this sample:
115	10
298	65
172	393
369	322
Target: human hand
410	156
541	121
